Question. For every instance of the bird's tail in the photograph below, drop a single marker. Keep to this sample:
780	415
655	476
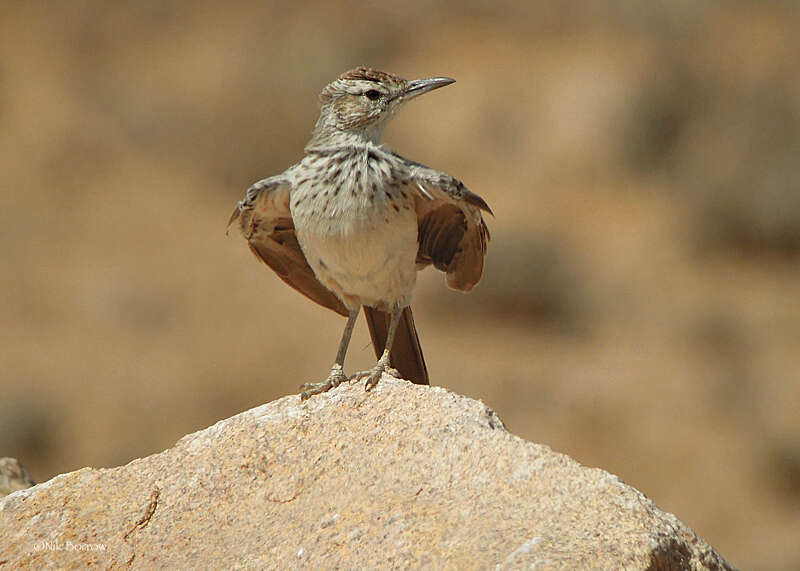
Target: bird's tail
406	353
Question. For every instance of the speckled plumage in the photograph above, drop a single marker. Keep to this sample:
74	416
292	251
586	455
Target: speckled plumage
352	222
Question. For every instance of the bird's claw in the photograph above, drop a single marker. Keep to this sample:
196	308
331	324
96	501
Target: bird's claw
374	374
335	378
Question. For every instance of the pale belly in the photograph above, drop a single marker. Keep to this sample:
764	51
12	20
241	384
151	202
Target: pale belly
365	254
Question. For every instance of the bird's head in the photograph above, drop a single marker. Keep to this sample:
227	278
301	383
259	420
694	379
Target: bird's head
358	104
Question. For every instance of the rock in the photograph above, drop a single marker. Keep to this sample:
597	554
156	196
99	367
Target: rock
13	476
403	476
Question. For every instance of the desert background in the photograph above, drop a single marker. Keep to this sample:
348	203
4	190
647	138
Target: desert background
640	307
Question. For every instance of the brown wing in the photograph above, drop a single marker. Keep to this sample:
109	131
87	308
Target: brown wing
452	233
266	222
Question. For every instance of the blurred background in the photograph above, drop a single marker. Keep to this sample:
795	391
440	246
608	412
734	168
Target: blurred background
639	309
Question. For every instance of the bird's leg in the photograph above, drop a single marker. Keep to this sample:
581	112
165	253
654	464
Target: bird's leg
383	364
336	376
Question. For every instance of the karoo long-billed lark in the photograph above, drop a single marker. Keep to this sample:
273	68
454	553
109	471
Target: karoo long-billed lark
352	223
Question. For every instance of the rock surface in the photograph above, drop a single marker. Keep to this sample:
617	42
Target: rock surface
13	476
403	476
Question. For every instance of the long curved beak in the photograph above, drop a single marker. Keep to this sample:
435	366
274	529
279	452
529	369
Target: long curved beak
420	86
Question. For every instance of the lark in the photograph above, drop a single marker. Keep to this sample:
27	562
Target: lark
351	224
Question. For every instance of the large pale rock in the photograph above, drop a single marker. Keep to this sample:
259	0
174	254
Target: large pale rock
404	476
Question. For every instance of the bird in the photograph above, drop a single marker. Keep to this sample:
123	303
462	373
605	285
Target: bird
353	221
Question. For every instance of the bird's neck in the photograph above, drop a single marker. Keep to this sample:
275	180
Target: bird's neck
328	136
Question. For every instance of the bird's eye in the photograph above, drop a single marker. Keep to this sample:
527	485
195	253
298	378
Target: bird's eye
372	94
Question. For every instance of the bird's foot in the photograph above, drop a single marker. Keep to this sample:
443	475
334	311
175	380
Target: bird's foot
335	378
374	374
